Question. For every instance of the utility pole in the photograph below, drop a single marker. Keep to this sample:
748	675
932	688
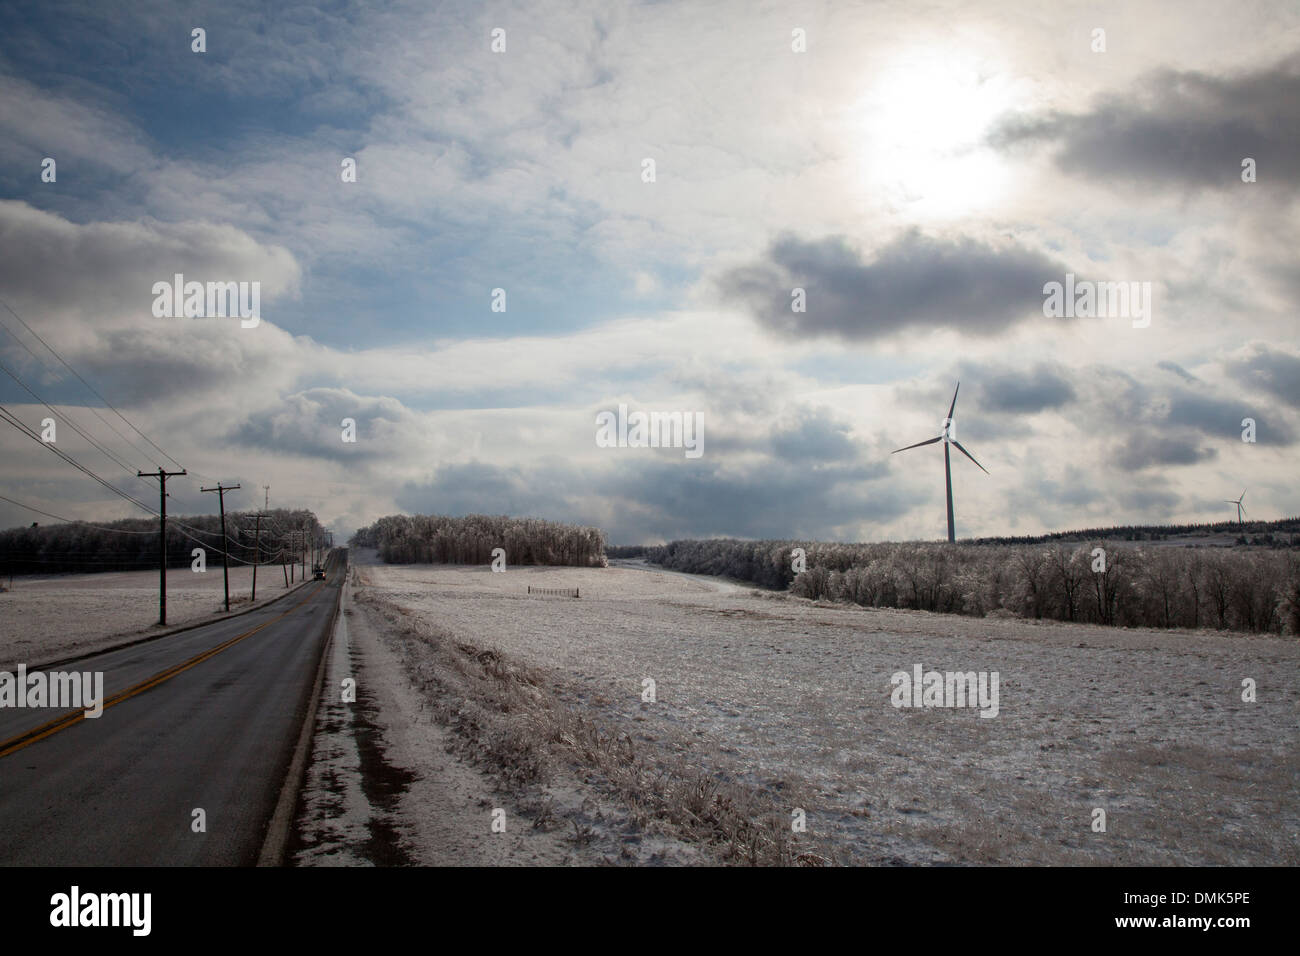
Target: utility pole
225	542
292	553
266	501
257	550
162	477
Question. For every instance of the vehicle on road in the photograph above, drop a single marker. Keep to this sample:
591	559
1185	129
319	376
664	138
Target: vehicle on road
318	573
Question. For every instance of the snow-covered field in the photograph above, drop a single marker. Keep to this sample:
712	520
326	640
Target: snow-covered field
50	617
786	696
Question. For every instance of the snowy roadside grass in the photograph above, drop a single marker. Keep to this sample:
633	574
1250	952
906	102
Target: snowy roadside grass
516	722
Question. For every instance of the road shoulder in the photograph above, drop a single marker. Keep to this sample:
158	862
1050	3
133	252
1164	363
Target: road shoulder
385	787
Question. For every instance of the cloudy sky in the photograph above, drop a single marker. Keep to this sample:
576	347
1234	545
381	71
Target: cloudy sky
920	170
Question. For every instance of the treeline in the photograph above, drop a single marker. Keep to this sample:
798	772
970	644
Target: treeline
1283	533
439	539
765	563
1126	586
132	544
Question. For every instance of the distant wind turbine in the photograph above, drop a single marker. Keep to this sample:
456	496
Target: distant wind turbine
1241	509
948	439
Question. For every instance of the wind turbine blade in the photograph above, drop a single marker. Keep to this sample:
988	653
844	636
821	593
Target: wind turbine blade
970	456
917	445
1243	496
953	406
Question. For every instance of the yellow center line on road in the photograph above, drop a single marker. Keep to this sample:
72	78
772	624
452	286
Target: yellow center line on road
64	721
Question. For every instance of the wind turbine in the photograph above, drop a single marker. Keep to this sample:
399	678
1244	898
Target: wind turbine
1240	507
948	439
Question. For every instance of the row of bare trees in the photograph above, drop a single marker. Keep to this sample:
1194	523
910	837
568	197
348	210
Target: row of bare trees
439	539
132	543
1281	533
1121	585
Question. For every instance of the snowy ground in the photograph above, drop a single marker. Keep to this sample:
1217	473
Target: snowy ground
385	787
783	696
50	617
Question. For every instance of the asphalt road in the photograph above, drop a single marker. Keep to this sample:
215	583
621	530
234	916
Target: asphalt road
217	735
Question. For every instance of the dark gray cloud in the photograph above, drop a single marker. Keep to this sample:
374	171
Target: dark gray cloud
1146	449
1179	129
814	439
1178	370
543	491
650	499
915	282
977	433
162	361
1078	489
1170	429
1271	371
996	400
1153	504
104	272
1026	393
1222	418
309	424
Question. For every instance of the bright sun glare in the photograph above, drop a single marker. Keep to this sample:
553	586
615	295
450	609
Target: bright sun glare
924	119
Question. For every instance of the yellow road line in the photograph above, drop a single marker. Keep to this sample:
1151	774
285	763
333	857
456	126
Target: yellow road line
64	721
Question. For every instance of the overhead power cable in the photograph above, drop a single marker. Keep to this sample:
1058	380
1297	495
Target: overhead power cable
94	411
66	420
8	416
76	521
94	391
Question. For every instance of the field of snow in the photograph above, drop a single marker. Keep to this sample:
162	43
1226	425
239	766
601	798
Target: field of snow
50	617
789	697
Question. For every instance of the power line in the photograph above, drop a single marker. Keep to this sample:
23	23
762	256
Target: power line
13	420
73	425
92	388
94	411
207	545
76	521
97	558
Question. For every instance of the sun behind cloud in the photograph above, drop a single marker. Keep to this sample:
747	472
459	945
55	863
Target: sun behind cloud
923	120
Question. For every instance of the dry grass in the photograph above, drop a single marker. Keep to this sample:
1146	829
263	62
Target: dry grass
514	722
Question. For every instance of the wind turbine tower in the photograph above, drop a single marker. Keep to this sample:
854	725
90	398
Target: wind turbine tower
948	439
1241	509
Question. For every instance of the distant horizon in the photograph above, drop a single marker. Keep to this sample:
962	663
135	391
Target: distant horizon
941	540
1227	524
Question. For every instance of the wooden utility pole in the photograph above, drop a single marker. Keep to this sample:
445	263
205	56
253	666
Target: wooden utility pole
162	477
257	550
291	551
225	542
